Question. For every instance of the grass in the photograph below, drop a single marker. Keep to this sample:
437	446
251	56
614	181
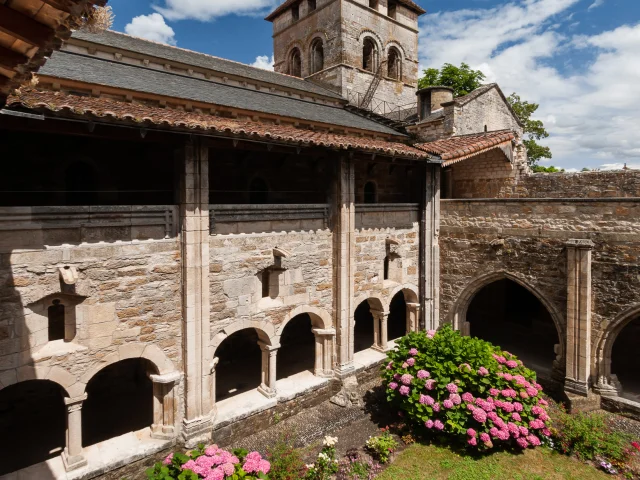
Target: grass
429	462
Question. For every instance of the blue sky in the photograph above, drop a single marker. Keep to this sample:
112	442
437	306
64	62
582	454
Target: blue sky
580	59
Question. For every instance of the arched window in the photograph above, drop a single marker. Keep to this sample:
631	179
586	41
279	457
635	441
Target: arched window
394	64
317	56
295	63
369	55
55	314
258	191
370	192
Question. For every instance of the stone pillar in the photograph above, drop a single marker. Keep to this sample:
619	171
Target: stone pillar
164	405
73	456
344	247
268	382
413	317
430	250
324	352
578	351
194	213
214	364
380	328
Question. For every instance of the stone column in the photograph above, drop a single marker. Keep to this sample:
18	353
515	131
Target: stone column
268	383
344	247
413	317
164	405
214	364
578	351
73	456
324	352
430	250
380	326
194	212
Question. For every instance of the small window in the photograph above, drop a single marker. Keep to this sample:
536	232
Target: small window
386	267
317	56
369	55
295	63
258	192
266	273
391	12
370	192
55	314
394	64
312	5
373	4
295	12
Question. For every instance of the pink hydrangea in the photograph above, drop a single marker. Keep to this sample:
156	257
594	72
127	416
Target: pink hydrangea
430	384
190	465
217	474
455	398
413	352
508	407
533	440
524	431
393	385
389	365
508	377
438	425
411	362
494	392
513	429
517	406
524	395
229	468
484	438
452	388
515	416
493	416
405	365
254	463
546	432
512	364
500	423
483	372
205	461
431	333
522	442
536	410
436	407
397	376
168	459
406	379
536	424
472	441
467	397
404	390
426	400
447	403
494	432
503	434
465	367
479	415
422	374
532	391
500	358
428	423
471	432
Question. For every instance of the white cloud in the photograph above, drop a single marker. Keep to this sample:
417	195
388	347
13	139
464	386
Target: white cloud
206	10
264	61
596	4
152	27
591	115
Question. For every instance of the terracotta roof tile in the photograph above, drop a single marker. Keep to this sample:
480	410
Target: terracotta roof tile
110	109
453	148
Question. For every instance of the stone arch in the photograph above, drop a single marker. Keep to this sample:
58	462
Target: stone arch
150	352
603	346
265	330
366	32
317	55
375	301
410	293
295	67
394	43
395	61
320	318
365	324
372	49
458	312
55	374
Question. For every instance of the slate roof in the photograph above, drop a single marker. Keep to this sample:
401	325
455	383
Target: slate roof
97	71
196	59
454	149
407	3
107	109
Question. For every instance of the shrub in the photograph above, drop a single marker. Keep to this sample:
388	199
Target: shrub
211	463
286	461
326	464
466	389
590	437
354	467
382	446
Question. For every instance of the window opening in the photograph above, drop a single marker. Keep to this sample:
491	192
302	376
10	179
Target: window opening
55	314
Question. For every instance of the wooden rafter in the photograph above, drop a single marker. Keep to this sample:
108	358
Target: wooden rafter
24	28
10	59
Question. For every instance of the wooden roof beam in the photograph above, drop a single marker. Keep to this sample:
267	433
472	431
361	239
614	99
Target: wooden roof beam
10	59
24	28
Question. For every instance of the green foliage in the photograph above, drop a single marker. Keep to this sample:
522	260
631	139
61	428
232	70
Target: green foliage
590	437
286	461
173	470
550	169
326	465
382	446
462	79
465	389
533	129
354	467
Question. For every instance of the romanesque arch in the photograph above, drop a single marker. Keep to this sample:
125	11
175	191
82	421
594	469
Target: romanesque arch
404	311
366	322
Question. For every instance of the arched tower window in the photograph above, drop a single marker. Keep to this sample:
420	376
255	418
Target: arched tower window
295	63
55	314
317	56
369	55
394	64
370	192
258	191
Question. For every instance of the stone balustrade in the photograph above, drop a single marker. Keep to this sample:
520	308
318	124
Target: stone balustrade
229	219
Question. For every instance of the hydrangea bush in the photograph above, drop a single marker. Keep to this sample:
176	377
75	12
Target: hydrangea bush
466	389
211	463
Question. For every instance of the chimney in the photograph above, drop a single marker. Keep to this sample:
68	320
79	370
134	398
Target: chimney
431	99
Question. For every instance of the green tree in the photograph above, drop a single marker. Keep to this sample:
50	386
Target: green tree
462	79
533	129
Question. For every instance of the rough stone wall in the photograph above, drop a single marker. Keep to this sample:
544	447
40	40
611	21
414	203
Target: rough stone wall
622	183
528	238
236	284
482	176
489	110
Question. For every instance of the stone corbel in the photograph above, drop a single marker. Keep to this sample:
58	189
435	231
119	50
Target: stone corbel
69	275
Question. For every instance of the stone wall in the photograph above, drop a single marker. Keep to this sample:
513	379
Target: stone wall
482	176
487	110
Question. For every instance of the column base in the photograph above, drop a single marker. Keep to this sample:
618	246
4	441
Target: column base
72	462
606	390
323	374
575	387
267	392
197	431
163	432
343	371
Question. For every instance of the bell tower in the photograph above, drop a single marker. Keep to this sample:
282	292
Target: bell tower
366	50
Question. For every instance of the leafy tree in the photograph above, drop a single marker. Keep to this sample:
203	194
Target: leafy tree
533	129
462	79
550	169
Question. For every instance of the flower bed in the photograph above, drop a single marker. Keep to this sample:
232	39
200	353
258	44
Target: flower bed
467	390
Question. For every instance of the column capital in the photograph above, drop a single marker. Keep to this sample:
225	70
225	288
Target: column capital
268	348
413	305
173	377
324	331
582	243
70	402
214	363
379	313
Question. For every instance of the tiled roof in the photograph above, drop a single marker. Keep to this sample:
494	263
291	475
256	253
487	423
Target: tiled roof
137	78
202	60
407	3
143	115
454	149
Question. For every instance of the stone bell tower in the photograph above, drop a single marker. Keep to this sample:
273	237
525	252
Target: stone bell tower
366	50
